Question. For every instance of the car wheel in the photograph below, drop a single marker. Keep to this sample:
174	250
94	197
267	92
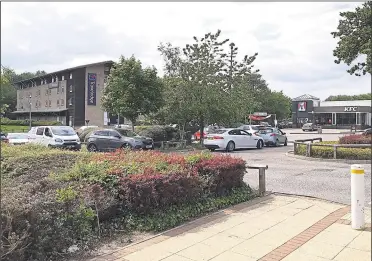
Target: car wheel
92	148
277	143
125	146
230	146
259	144
212	149
286	142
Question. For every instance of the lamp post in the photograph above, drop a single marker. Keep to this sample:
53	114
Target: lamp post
29	101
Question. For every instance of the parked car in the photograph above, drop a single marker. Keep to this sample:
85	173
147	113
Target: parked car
265	124
309	127
231	139
273	137
367	132
18	138
250	128
83	128
113	139
55	137
3	137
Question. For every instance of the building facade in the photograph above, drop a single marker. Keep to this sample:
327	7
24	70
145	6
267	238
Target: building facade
71	96
331	114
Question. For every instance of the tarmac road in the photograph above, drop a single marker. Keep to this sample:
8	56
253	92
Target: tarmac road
325	180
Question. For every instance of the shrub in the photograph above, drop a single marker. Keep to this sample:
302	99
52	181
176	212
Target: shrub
158	133
356	139
342	153
6	121
85	134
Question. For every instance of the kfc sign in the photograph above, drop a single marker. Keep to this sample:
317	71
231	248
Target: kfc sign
302	106
352	109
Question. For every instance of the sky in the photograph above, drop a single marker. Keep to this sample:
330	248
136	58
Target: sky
293	40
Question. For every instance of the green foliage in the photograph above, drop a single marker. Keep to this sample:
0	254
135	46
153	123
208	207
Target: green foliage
355	39
132	90
364	96
158	133
6	121
66	194
342	153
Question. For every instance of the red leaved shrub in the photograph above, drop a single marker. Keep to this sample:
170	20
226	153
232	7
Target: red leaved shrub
356	139
222	173
151	190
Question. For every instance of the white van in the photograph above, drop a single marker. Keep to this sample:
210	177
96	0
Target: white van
55	137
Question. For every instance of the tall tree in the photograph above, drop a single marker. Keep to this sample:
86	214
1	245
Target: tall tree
365	96
132	90
355	45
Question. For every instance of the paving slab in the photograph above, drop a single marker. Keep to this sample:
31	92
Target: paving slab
288	228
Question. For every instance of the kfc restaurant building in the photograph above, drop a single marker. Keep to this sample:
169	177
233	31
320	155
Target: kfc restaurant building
331	114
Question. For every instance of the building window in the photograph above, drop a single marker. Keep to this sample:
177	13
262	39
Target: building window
62	89
57	102
56	78
38	92
70	88
63	77
57	89
50	103
70	101
62	102
70	75
46	92
46	103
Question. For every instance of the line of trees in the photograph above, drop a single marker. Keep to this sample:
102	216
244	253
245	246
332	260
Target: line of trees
365	96
204	83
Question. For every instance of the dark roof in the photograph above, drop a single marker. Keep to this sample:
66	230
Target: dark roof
305	97
68	69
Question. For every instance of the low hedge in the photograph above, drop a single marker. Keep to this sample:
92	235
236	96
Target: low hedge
6	121
52	199
158	132
356	139
327	152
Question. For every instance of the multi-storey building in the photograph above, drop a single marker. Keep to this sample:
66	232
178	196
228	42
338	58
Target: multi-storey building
71	96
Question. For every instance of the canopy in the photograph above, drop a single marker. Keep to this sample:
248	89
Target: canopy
258	118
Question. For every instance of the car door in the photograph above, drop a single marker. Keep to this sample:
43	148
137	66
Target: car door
102	140
115	141
283	135
236	137
39	136
47	137
246	139
279	135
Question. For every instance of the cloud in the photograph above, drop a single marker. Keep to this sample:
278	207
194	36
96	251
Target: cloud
293	39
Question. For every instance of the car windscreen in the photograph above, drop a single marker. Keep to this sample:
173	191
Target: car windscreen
63	131
254	128
220	131
17	136
265	131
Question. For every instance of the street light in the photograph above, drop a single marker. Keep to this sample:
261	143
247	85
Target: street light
29	101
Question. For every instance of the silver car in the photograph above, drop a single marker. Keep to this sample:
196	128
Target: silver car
309	127
273	137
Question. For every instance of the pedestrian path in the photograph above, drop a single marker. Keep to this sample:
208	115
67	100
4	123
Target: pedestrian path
271	228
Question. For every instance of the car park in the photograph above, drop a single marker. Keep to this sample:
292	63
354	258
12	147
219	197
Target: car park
231	139
309	127
273	137
113	139
63	137
18	138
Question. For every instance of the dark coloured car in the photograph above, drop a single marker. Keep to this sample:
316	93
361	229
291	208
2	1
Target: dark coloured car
113	139
367	132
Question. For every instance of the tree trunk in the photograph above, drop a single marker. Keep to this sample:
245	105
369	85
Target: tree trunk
201	122
133	123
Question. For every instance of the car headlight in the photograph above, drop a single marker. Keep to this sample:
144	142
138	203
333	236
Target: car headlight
58	140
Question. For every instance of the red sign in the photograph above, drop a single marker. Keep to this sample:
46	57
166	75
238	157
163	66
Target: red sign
301	106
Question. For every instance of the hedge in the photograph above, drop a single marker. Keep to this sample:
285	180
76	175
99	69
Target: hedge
6	121
327	152
52	199
356	139
158	132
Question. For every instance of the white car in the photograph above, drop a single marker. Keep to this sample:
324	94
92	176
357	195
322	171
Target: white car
55	137
231	139
252	129
18	138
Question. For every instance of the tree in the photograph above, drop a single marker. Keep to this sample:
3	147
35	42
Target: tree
365	96
355	34
132	90
277	103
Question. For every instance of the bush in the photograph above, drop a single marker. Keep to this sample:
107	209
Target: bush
342	153
6	121
85	134
158	133
356	139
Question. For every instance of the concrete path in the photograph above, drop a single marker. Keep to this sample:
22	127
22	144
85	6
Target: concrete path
271	228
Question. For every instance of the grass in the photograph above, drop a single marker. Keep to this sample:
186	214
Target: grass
13	128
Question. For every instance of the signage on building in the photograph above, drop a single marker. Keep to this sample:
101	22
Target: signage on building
301	106
92	89
264	114
352	109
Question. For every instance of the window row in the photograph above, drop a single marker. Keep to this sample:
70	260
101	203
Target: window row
47	92
43	81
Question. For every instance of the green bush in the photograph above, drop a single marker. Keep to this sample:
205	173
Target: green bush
6	121
158	133
327	152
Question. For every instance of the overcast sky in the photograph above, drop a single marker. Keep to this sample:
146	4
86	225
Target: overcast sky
293	40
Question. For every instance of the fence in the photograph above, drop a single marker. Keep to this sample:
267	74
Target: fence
310	145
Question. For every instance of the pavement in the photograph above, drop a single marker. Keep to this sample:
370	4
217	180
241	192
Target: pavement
270	228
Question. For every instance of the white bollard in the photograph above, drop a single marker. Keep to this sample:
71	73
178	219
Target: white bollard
357	196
